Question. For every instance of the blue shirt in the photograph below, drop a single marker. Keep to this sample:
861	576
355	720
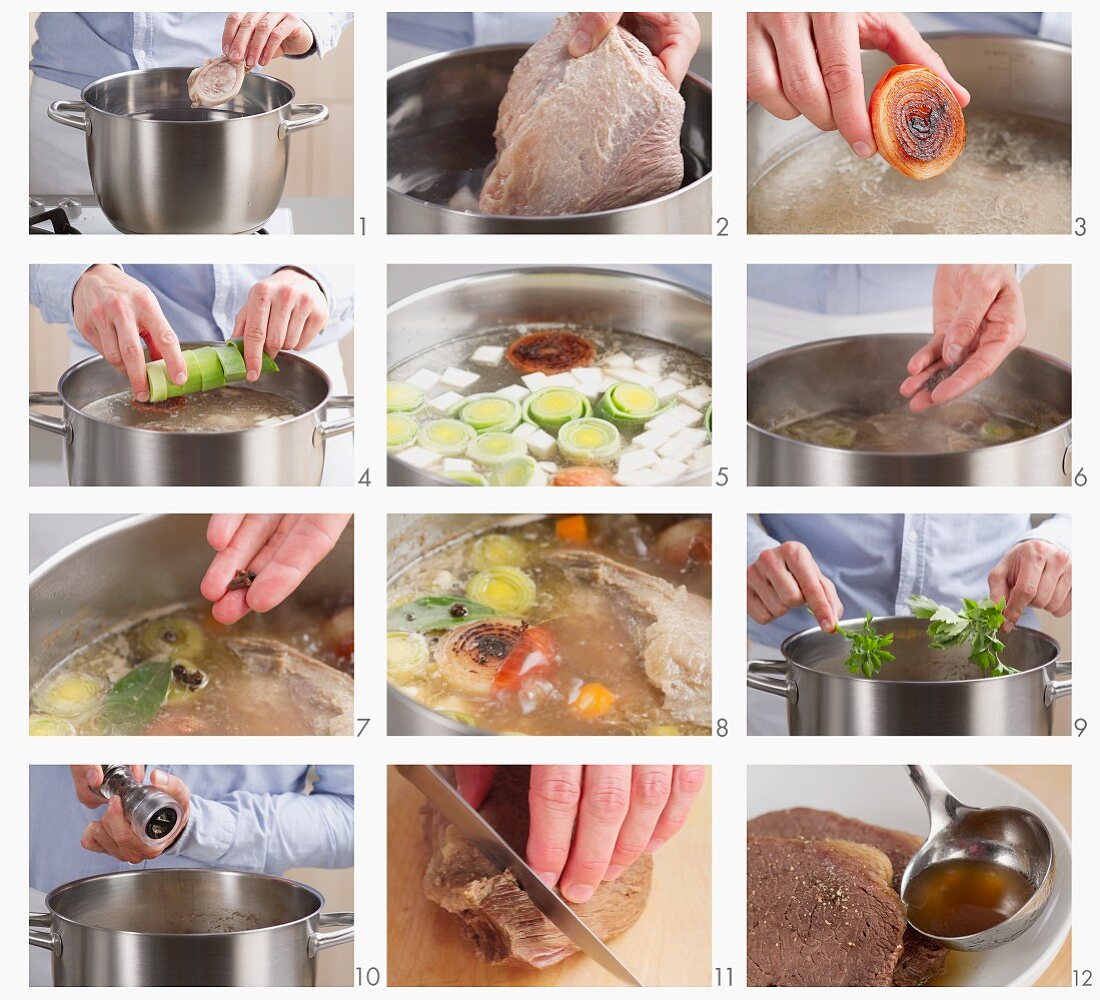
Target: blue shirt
200	301
877	561
245	817
79	48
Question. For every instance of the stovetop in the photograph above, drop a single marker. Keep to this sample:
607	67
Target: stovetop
59	215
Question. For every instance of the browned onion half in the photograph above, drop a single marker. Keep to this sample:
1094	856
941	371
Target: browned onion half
470	656
551	351
918	124
685	543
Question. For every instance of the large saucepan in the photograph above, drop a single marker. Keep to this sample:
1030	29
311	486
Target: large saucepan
585	297
160	166
441	114
140	564
924	692
862	372
101	453
186	927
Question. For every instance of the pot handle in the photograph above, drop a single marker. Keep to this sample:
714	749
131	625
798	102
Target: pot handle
1060	686
320	940
42	934
337	427
318	113
71	113
770	676
55	425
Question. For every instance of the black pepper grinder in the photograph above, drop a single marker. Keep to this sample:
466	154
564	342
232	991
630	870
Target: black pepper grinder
153	814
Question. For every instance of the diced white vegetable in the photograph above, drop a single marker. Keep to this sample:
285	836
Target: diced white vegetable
421	458
590	390
524	430
618	360
457	465
425	379
701	459
632	375
606	383
671	468
637	458
697	396
548	467
541	445
664	423
640	477
587	374
684	415
676	449
651	363
487	354
694	436
667	388
516	392
458	378
650	439
562	378
534	380
442	403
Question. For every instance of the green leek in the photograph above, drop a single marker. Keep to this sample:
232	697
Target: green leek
629	406
486	412
555	405
505	589
706	421
403	397
445	437
467	478
523	471
498	550
495	447
401	430
407	655
589	441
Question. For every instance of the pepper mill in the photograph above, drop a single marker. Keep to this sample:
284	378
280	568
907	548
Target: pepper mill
153	814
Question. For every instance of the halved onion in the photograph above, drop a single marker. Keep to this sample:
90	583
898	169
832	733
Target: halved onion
498	550
555	405
589	441
50	725
486	412
470	656
551	351
407	656
446	437
401	430
495	447
685	543
505	589
629	406
522	471
68	693
467	478
403	397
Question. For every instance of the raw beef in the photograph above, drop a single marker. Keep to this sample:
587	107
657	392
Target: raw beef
215	82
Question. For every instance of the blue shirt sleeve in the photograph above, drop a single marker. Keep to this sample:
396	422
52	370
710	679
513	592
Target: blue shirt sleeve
326	28
1055	529
758	541
51	289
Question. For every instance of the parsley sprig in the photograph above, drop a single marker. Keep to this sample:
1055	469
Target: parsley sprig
869	651
977	623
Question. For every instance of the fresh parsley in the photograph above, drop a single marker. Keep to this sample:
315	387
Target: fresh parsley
869	651
977	623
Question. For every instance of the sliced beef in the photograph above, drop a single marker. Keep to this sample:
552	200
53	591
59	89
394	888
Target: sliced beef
922	958
584	135
496	914
215	82
821	913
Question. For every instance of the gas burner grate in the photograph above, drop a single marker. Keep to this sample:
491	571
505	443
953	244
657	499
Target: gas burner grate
54	222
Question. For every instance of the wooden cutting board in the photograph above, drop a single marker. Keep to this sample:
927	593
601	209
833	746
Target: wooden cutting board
669	946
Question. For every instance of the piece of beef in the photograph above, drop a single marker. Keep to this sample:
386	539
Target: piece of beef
215	82
922	958
580	135
821	913
496	914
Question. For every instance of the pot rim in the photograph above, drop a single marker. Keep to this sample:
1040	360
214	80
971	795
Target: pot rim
925	455
398	71
317	895
95	535
859	678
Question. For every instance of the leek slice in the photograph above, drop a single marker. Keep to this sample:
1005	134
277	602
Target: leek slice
446	437
401	430
706	421
50	725
403	397
505	589
629	406
555	405
407	656
467	478
210	366
231	361
589	441
498	550
486	412
495	447
156	378
68	693
522	471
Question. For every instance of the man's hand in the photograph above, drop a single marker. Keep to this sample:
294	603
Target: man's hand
672	38
1033	574
283	313
112	311
786	577
258	38
809	64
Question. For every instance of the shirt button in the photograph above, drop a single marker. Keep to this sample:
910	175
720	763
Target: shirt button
913	536
141	53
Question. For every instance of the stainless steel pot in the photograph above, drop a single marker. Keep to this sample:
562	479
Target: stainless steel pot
186	927
138	565
441	113
160	166
101	453
863	372
465	307
924	692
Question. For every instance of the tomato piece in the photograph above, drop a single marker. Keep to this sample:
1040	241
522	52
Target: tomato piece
535	652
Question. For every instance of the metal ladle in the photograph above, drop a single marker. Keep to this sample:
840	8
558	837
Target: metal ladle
1003	835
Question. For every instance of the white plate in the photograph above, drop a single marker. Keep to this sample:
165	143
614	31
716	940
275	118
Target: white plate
883	795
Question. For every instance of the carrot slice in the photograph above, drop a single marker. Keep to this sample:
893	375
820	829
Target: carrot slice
572	529
592	701
583	475
535	652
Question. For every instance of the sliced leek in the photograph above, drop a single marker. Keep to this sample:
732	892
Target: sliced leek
50	725
403	397
498	550
68	693
401	430
523	471
487	412
445	437
629	406
208	367
555	405
505	589
495	447
467	478
589	441
706	421
407	656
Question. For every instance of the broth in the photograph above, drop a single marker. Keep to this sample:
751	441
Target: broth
594	681
964	896
227	409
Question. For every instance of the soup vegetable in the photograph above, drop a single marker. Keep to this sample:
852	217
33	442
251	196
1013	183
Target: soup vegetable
575	625
559	407
179	672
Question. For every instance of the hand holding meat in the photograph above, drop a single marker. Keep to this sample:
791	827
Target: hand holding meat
113	311
283	313
589	823
809	64
978	319
786	577
672	37
1033	574
257	38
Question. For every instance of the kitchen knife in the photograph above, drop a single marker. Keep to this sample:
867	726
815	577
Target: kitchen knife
470	823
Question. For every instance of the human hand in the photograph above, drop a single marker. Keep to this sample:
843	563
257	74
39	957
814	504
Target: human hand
112	312
257	38
111	833
672	37
809	64
787	577
590	822
88	777
281	549
977	321
1033	574
283	313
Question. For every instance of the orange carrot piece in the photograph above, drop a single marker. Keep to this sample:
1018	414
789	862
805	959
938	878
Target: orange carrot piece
572	529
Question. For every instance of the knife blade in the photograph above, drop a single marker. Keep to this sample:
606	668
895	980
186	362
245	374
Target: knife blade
472	825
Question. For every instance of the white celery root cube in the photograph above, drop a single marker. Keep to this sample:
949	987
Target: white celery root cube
541	445
458	378
424	378
442	403
421	458
637	458
487	354
697	396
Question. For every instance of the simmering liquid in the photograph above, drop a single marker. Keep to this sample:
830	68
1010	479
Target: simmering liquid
227	409
965	896
1013	177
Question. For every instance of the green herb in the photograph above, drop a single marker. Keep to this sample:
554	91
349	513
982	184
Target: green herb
436	614
977	623
869	651
135	700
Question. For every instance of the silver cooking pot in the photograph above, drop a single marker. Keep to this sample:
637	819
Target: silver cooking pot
924	692
160	166
119	573
427	320
186	927
862	373
440	117
101	453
